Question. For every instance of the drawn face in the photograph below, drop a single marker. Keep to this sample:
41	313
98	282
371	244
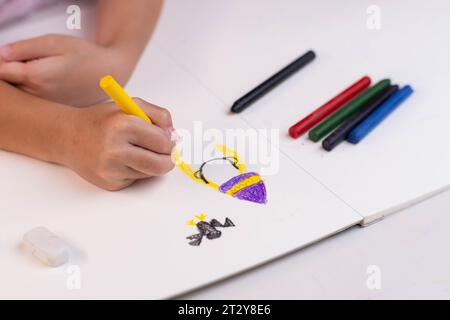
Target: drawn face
246	186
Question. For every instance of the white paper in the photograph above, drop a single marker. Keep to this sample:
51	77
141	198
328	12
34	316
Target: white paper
244	43
132	243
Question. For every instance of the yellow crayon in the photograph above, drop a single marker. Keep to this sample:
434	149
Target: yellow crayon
121	98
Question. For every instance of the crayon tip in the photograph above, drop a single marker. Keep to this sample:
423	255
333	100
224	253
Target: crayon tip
313	136
327	146
407	89
311	53
353	138
293	133
236	108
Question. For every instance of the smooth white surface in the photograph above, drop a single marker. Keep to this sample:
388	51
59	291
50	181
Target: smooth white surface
231	46
97	220
410	248
132	244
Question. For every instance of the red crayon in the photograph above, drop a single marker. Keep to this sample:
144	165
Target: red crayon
328	108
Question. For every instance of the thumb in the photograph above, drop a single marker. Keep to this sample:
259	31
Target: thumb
29	49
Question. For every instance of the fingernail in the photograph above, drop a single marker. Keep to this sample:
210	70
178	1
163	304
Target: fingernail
5	52
174	136
170	131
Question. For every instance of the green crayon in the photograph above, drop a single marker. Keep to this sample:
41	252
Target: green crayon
348	110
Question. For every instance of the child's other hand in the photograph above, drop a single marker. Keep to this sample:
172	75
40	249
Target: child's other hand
62	68
112	150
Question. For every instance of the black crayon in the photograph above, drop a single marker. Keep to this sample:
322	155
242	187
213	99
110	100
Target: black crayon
244	102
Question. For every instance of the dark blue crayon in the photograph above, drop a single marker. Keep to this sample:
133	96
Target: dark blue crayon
343	130
377	116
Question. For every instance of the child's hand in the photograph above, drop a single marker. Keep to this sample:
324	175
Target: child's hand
62	68
112	150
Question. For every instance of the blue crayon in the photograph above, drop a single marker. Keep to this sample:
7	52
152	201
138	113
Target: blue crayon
378	115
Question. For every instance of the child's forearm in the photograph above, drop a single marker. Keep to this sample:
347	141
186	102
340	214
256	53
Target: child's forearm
102	144
32	126
127	24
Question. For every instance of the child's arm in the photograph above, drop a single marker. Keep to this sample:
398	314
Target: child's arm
67	69
31	126
127	24
100	143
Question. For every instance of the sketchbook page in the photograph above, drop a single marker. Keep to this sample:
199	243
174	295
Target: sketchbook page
133	243
405	159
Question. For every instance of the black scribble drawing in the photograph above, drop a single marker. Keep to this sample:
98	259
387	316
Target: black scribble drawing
208	230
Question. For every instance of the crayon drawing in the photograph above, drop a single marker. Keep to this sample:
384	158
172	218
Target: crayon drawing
246	186
207	229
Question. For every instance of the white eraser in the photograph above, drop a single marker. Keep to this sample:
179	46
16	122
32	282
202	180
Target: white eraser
46	246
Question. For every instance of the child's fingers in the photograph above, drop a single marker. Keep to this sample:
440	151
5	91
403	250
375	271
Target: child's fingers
122	172
150	137
148	162
33	48
13	72
136	175
132	174
160	116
